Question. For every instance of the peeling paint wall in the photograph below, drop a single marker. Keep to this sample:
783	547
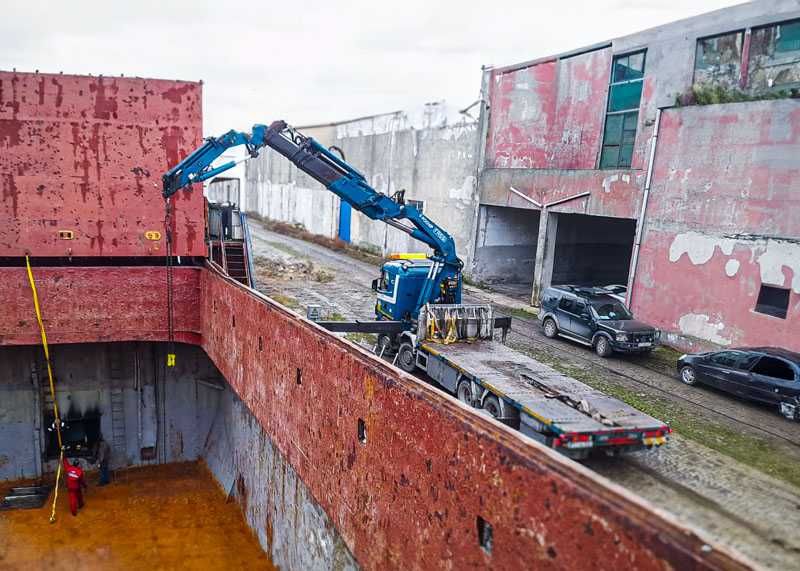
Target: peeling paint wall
435	165
85	154
722	220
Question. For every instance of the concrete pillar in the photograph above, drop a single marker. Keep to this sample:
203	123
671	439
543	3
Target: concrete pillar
545	253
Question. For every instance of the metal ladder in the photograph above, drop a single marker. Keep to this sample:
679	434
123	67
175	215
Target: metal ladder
118	421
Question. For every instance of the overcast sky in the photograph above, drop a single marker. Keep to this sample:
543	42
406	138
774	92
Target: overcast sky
310	62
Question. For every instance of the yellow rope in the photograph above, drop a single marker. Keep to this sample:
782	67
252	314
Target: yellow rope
52	383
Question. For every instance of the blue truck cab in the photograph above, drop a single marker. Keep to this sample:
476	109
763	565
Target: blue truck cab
399	287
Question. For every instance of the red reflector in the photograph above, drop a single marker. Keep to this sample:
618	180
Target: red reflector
577	437
622	440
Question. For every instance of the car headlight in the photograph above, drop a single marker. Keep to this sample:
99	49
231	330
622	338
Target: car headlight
621	337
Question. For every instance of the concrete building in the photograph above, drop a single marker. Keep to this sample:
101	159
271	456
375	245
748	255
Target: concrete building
432	159
668	160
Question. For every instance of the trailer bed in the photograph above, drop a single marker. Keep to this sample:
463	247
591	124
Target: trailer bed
541	391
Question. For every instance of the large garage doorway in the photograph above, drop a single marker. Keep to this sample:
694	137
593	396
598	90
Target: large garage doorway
593	250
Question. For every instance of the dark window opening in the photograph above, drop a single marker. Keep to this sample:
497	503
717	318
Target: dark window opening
773	301
775	368
485	537
79	436
362	431
233	321
260	343
299	376
624	96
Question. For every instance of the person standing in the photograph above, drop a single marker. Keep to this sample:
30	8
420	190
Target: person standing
75	484
102	457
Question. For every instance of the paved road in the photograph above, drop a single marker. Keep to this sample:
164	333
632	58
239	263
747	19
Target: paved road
732	503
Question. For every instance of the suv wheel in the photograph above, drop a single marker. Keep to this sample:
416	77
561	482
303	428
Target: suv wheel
550	328
603	347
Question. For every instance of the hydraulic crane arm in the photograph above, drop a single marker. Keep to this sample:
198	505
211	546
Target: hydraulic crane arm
326	168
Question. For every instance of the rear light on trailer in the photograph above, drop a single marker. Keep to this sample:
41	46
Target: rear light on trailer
574	441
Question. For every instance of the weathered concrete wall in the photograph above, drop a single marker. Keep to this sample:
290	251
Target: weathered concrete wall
410	490
435	165
290	525
506	245
722	220
86	154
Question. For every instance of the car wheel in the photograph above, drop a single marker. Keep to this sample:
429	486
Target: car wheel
550	328
491	404
464	392
603	347
688	376
406	359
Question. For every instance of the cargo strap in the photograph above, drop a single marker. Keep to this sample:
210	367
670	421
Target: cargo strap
52	382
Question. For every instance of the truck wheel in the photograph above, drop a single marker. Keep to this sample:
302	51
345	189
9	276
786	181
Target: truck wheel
687	375
464	392
550	328
603	347
383	348
491	404
406	359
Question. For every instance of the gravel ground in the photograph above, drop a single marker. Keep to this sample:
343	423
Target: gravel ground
731	468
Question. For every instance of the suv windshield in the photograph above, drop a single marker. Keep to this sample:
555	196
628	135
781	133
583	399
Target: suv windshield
610	311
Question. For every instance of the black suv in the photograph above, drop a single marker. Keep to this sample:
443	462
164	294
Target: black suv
593	317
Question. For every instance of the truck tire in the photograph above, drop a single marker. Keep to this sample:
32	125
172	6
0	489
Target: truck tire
550	328
603	346
491	404
383	348
464	392
406	359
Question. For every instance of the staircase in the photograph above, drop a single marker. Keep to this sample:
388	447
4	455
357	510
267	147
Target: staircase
235	262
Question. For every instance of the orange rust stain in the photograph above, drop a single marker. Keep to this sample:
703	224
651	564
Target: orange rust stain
155	517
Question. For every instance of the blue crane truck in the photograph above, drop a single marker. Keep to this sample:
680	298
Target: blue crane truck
421	323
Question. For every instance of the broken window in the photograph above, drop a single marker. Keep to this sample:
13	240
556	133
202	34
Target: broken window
775	57
718	60
622	117
773	301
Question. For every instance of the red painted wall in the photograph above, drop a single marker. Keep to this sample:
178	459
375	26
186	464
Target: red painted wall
86	305
86	154
549	115
722	219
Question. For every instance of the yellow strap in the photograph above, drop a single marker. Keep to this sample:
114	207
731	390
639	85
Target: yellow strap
50	378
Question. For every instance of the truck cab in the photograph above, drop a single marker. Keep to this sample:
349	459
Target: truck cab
402	279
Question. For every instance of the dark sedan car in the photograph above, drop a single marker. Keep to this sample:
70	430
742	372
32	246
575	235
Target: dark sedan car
763	374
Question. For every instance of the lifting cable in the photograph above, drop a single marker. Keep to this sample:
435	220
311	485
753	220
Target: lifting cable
56	414
170	279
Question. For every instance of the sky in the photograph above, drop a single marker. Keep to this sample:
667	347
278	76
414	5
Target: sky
310	61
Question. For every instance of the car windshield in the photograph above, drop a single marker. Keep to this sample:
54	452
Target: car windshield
610	311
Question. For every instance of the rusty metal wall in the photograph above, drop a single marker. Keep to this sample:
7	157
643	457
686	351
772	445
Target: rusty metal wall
722	220
84	305
85	154
407	494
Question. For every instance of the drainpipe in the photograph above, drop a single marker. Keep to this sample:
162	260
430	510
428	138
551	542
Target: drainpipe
637	242
138	382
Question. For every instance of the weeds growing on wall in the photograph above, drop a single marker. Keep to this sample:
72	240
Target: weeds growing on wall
715	94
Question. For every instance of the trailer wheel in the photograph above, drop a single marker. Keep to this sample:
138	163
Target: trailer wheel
491	404
406	359
464	392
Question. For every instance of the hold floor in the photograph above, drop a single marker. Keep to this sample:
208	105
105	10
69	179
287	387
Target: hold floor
173	516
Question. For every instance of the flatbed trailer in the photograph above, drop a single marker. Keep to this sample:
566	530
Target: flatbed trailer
542	403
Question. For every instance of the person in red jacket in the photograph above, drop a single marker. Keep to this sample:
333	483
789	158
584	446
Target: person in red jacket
76	483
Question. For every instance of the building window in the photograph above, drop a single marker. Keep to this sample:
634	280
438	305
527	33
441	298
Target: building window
773	301
622	115
775	56
418	204
718	60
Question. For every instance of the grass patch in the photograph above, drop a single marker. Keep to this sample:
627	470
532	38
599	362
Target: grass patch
287	301
750	450
285	248
519	312
335	316
323	276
